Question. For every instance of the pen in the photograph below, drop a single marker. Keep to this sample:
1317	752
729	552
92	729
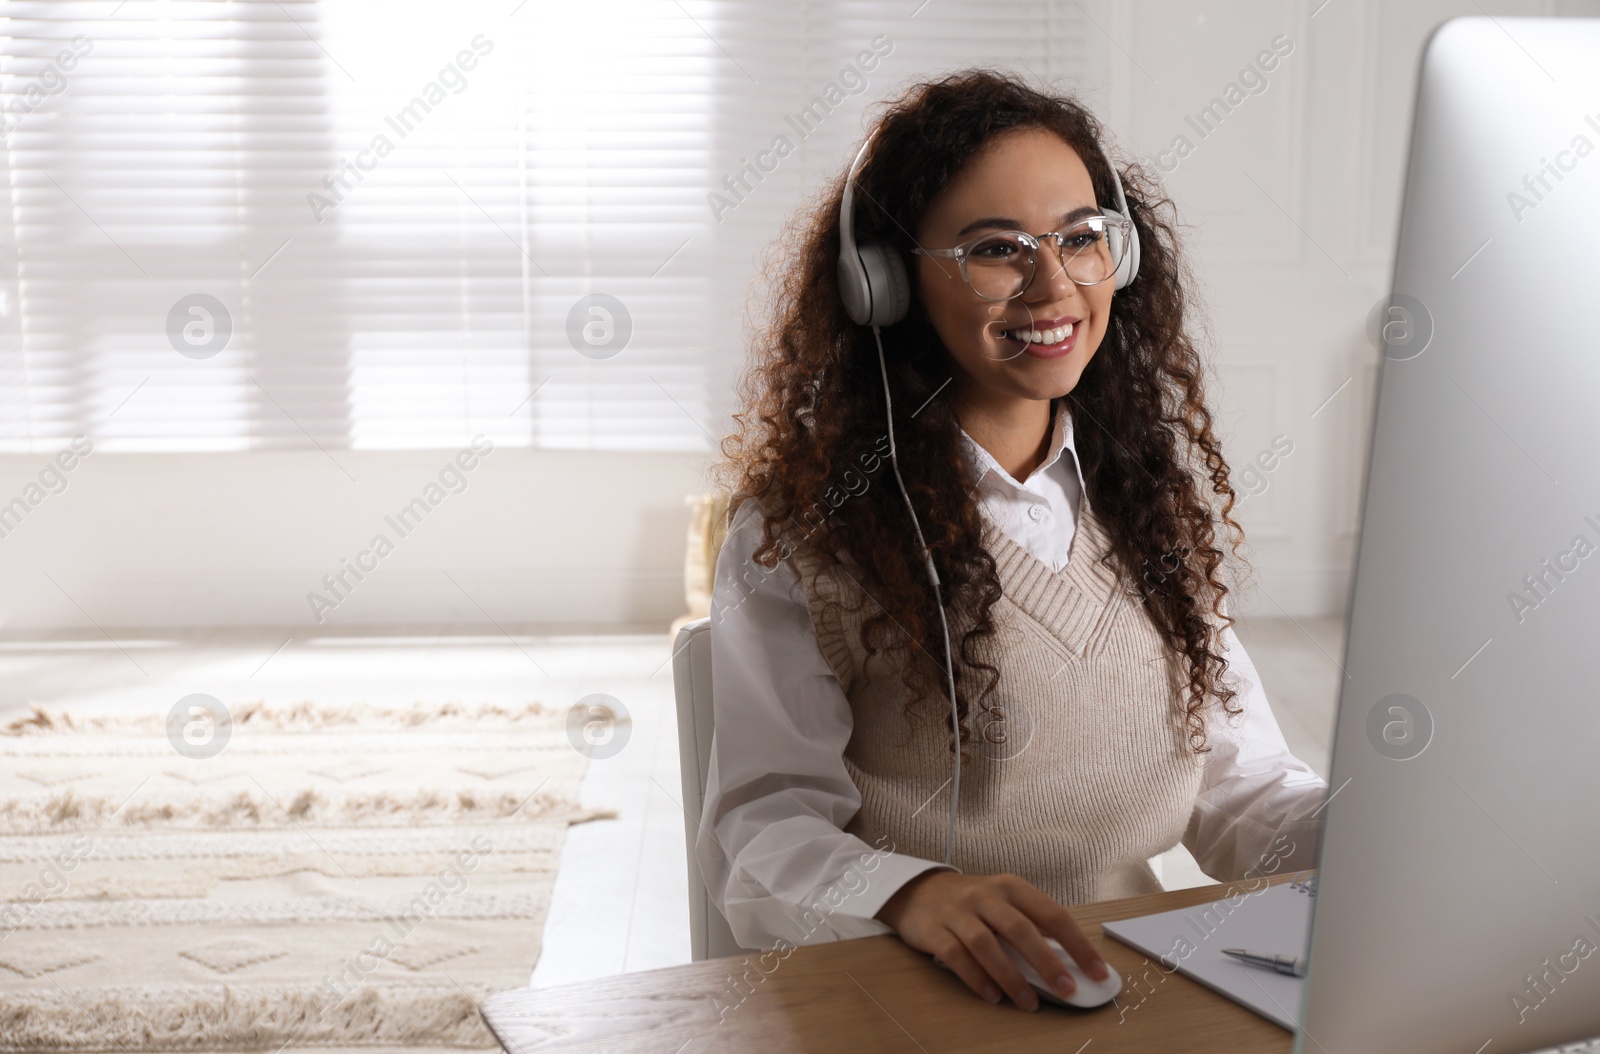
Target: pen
1289	964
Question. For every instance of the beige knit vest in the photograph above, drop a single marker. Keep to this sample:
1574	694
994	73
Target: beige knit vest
1080	769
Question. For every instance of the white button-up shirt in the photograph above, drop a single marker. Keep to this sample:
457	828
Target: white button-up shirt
772	845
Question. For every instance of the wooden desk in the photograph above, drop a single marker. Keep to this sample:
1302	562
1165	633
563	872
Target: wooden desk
876	994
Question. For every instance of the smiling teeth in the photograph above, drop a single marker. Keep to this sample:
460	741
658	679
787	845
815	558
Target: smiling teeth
1036	336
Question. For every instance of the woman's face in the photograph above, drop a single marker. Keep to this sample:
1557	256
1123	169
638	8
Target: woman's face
1028	180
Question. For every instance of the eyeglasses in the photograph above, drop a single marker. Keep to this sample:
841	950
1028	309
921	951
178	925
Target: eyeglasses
1000	265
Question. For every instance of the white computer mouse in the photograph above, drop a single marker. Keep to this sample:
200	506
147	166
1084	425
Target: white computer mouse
1088	994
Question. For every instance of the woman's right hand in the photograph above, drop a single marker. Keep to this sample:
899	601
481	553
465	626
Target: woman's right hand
959	918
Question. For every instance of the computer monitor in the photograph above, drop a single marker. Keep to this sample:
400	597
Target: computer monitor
1458	893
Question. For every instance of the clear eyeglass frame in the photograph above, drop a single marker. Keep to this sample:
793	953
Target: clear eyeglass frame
1100	223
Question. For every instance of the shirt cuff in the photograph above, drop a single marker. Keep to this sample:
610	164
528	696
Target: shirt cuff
883	882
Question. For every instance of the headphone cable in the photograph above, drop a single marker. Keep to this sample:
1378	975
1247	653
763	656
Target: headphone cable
933	576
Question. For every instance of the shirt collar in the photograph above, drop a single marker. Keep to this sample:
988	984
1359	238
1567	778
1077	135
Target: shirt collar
987	469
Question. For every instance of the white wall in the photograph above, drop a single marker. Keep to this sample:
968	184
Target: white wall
166	540
1293	201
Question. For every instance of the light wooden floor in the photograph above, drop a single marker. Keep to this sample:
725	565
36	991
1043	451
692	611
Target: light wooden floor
620	900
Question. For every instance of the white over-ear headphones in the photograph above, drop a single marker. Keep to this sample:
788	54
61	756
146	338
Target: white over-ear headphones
872	278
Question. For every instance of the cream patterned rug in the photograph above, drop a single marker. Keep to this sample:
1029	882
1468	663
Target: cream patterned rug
328	879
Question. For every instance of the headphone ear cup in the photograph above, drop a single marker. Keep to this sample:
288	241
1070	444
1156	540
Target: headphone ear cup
876	291
854	290
889	288
1128	268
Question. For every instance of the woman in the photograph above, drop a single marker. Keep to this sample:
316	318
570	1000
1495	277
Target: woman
1050	433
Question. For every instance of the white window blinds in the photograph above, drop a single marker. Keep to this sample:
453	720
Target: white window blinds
256	225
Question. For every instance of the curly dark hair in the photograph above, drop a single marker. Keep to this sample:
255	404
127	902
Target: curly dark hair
814	405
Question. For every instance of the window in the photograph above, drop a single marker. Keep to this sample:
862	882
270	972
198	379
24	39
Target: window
260	225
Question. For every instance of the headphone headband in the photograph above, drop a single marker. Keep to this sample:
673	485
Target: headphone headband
847	218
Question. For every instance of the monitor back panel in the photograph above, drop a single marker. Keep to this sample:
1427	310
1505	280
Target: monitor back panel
1458	905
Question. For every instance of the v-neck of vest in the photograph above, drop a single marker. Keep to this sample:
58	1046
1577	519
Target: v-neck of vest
1075	603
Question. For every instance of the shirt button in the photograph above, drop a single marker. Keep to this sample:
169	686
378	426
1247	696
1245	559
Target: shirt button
1036	512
